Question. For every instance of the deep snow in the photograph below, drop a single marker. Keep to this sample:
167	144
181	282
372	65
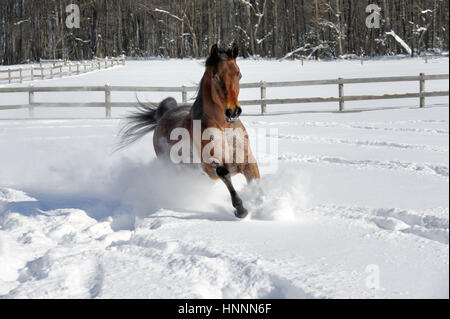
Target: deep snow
355	195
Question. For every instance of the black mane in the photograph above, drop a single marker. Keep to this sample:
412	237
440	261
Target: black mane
221	55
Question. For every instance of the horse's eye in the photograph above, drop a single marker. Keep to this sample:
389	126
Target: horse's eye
240	75
215	77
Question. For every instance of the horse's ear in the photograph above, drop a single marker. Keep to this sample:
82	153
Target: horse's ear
235	50
214	50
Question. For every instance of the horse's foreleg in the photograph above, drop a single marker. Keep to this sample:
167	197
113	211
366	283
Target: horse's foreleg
224	174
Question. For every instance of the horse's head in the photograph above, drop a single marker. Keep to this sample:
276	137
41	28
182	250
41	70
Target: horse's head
224	75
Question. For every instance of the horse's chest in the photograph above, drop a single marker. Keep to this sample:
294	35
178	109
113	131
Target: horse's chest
235	146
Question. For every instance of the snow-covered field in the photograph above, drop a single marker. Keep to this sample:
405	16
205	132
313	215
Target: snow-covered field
357	209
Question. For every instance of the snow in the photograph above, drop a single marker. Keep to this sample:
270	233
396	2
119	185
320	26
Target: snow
11	195
355	194
400	41
22	21
246	3
168	13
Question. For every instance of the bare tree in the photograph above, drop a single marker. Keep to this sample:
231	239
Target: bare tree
30	30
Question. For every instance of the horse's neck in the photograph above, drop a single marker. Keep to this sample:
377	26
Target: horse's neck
211	112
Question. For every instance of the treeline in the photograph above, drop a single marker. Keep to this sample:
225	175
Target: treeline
33	29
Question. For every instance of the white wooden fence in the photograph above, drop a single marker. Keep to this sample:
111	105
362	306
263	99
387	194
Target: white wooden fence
262	86
49	69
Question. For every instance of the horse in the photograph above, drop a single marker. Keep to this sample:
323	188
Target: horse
216	108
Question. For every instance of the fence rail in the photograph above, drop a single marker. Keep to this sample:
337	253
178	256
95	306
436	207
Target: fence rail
263	101
49	69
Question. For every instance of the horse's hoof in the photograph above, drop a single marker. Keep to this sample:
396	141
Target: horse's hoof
241	212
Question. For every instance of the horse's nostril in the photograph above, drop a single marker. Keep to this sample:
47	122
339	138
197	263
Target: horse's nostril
228	112
238	111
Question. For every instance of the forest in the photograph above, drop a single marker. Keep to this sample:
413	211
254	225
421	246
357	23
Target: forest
30	30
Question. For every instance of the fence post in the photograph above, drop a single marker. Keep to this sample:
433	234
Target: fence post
31	101
70	68
123	59
42	72
422	90
78	68
99	65
9	76
21	74
106	63
184	94
60	71
32	73
303	60
341	94
108	101
51	71
263	97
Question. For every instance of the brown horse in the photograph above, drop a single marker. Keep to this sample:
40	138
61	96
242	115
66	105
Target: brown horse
216	109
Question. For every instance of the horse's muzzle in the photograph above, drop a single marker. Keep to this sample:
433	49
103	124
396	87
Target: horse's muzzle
233	116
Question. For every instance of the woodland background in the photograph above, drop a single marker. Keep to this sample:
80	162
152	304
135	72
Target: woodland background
33	29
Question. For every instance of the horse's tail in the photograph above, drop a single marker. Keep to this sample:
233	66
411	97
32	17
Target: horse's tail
143	121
